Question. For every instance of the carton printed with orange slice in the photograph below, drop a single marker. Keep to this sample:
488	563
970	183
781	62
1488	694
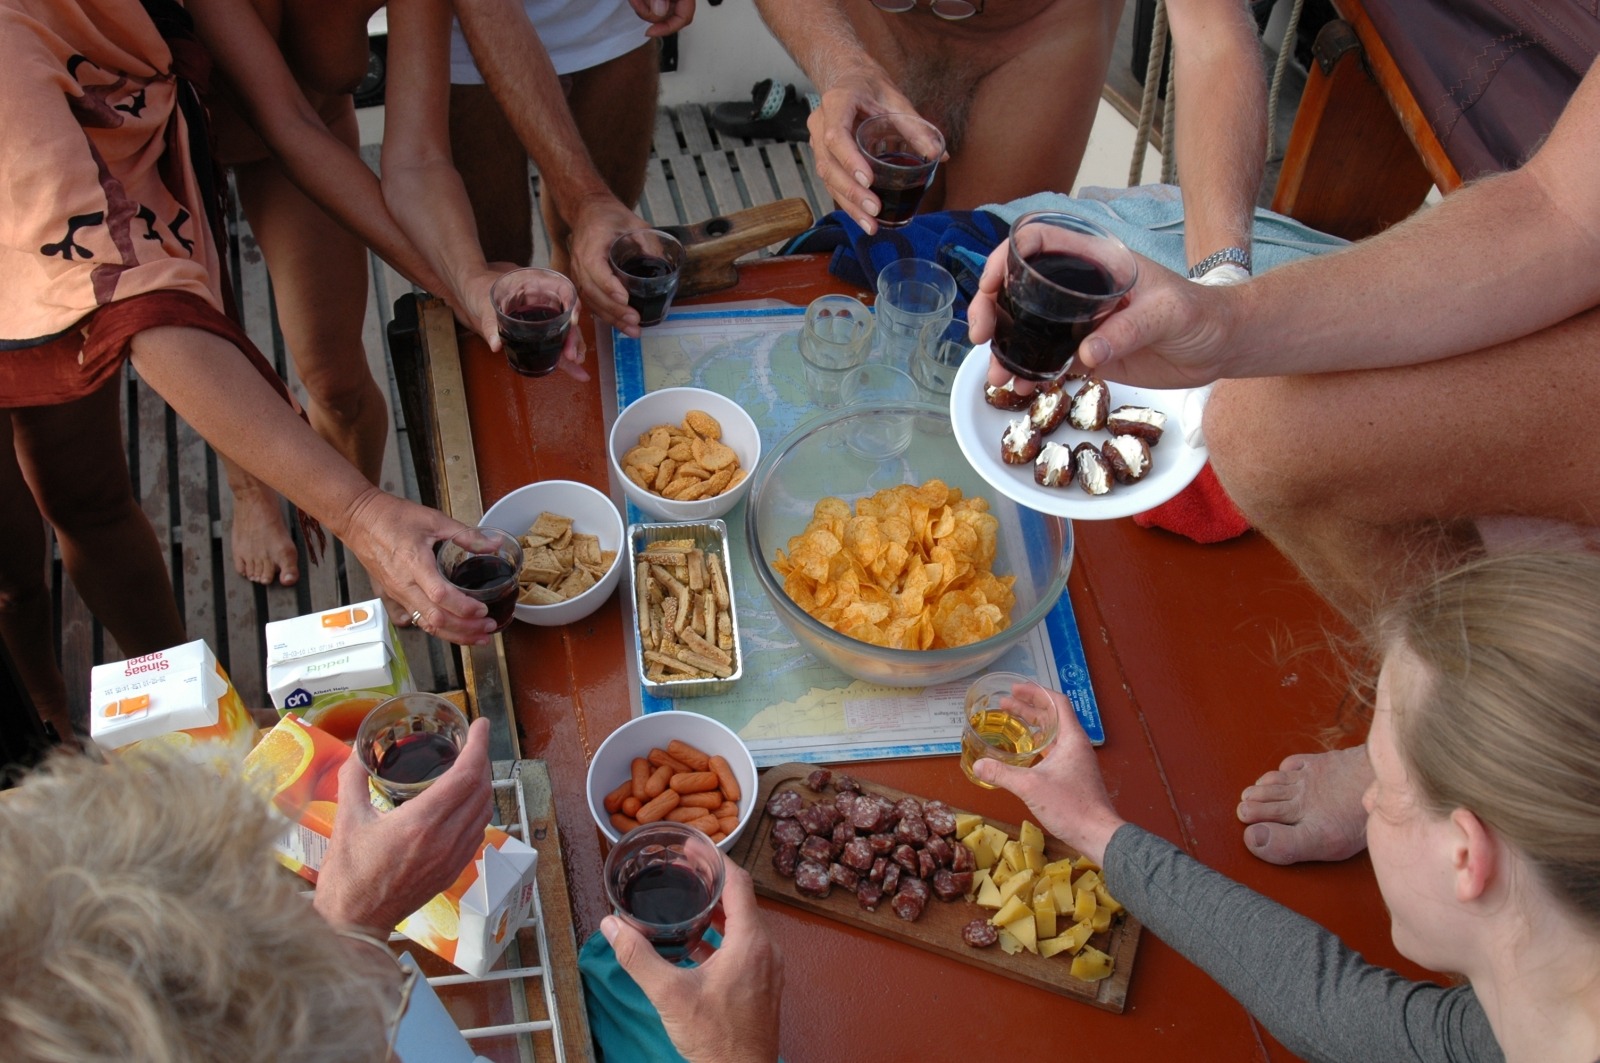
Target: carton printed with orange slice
468	924
333	667
179	699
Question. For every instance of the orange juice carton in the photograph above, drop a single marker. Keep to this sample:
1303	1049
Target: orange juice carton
332	667
179	699
297	766
471	923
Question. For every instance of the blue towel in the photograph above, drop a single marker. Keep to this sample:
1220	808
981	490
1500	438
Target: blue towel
1148	218
958	240
624	1023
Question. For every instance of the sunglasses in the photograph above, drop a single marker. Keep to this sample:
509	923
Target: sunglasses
949	10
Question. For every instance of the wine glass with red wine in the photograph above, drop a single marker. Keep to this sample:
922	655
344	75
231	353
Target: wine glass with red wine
534	307
904	151
648	261
407	742
664	879
1064	275
487	573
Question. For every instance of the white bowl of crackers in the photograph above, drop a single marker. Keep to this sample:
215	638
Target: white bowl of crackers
688	767
571	539
684	454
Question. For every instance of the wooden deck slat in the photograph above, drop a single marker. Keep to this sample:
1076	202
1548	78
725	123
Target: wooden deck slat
785	169
724	188
691	189
657	205
819	196
696	134
664	139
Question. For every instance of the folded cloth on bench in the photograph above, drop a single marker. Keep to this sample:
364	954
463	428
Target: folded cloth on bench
958	240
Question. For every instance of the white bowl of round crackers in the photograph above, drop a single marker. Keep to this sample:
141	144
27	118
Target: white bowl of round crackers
684	454
572	541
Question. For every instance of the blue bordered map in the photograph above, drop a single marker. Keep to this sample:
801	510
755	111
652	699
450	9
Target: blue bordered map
790	705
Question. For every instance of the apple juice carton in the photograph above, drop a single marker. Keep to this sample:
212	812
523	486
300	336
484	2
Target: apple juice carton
472	921
333	667
178	699
469	924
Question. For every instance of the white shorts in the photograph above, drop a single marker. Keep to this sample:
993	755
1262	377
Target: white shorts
578	34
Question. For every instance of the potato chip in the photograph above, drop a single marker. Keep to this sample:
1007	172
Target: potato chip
684	462
907	567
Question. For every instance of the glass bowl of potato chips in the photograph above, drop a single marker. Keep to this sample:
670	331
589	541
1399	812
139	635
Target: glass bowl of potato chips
907	570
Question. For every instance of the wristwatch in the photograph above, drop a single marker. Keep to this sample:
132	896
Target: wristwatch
1237	255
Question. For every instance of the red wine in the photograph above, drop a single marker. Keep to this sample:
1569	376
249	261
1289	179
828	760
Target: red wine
898	198
667	895
649	289
533	342
1039	325
490	579
417	757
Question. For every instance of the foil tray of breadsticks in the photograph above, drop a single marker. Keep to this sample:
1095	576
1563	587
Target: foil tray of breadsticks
686	623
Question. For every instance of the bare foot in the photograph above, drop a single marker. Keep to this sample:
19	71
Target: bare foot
262	549
1309	809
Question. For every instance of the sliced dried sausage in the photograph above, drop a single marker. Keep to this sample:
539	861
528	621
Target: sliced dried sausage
870	814
951	885
818	779
941	849
882	844
818	819
961	858
811	878
843	835
788	832
842	876
845	782
817	848
941	820
908	806
910	899
869	895
926	864
857	854
784	859
880	866
785	804
979	934
911	830
906	857
844	801
891	878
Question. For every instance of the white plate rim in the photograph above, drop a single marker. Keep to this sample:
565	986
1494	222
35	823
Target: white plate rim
979	426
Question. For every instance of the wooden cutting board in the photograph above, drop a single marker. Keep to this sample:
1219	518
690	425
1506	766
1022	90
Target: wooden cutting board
939	929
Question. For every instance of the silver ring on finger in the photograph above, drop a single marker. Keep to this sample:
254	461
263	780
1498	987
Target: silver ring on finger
416	619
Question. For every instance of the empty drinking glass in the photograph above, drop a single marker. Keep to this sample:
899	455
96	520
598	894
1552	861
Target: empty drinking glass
912	294
835	338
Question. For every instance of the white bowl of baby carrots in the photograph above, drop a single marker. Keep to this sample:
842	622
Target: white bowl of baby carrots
673	765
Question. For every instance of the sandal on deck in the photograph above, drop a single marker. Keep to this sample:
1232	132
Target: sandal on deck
775	112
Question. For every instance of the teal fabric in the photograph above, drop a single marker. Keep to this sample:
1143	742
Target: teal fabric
624	1023
1149	219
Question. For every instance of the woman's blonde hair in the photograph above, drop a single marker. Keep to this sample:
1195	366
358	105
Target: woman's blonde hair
1507	721
143	918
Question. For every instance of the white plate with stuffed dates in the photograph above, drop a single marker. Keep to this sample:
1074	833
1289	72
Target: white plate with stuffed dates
1174	461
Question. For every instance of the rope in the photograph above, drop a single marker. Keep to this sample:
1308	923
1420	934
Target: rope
1285	50
1147	104
1169	131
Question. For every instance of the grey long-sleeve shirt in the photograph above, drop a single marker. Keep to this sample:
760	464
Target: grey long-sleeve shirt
1322	1000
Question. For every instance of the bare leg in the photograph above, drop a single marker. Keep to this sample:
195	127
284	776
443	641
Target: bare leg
614	106
26	621
494	169
1018	88
319	278
1371	481
71	460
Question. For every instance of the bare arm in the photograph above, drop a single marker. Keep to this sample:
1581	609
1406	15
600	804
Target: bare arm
853	85
420	182
1221	124
1496	261
518	72
264	91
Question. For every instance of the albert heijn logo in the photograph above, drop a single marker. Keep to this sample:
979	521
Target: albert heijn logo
299	699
